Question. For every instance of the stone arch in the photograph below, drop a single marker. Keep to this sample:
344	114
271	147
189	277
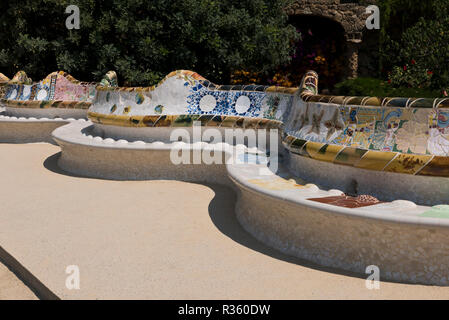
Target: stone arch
322	47
349	14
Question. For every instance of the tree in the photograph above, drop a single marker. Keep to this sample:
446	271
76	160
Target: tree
143	40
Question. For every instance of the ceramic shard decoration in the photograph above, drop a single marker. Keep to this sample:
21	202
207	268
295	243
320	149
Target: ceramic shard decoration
19	78
33	110
404	135
188	94
58	90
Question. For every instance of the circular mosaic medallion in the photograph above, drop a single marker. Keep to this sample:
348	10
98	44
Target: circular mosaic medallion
42	94
208	103
242	104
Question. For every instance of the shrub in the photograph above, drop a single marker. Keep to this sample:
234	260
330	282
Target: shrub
144	40
412	75
379	88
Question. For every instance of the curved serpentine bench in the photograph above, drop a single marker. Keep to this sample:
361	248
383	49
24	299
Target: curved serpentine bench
134	135
148	116
33	110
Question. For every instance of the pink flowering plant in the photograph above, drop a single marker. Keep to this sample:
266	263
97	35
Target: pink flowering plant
411	75
422	56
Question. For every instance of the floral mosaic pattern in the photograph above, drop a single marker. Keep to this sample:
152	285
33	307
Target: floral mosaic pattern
68	91
57	90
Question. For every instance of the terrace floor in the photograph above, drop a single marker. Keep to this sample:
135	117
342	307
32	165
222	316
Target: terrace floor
148	240
11	288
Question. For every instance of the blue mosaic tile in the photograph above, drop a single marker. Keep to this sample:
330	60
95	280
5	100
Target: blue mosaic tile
225	101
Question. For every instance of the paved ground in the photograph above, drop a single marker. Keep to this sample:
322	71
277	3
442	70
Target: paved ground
12	288
149	239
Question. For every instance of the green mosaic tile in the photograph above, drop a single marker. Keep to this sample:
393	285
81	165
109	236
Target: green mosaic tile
441	211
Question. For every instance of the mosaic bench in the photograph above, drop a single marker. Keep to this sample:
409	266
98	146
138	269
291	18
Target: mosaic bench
387	147
148	116
19	78
131	133
31	111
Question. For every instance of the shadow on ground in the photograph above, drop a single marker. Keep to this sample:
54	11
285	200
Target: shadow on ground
51	164
222	214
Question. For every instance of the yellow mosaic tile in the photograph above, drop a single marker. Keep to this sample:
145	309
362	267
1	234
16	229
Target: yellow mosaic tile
165	121
118	120
408	163
372	101
288	140
375	160
323	152
438	167
286	90
337	99
38	104
228	121
354	100
349	156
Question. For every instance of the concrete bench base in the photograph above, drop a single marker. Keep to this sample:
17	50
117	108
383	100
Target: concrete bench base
28	131
402	252
92	156
26	125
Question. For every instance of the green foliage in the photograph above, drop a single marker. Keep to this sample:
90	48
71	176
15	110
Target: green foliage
411	75
143	40
415	42
426	47
378	88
